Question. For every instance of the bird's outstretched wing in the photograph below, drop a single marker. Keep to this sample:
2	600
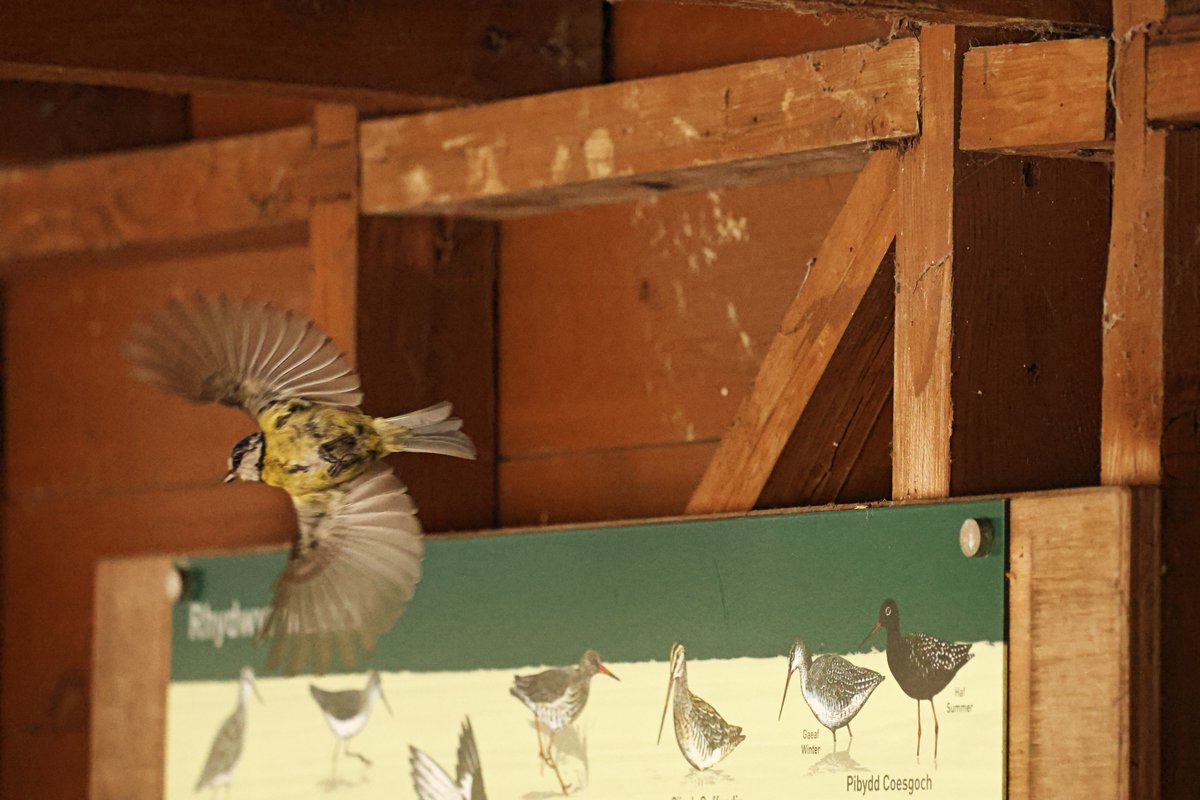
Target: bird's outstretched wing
354	564
431	781
239	353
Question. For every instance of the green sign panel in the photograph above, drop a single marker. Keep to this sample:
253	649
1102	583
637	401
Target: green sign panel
735	593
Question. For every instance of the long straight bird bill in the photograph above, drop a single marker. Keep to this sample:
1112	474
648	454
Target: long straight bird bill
239	353
353	567
676	654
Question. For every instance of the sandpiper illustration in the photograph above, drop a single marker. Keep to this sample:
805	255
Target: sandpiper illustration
923	665
834	689
431	781
703	735
557	697
226	751
347	712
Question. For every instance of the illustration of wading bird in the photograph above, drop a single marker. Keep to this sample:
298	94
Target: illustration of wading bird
557	697
431	781
226	750
923	665
347	713
834	689
356	556
703	735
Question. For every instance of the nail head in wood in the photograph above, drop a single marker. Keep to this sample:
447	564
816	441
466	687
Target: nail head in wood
975	537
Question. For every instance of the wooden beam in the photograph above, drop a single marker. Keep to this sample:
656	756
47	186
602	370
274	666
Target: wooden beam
1041	98
184	192
1083	579
333	233
800	353
417	54
131	663
924	266
1077	15
1173	83
763	121
840	450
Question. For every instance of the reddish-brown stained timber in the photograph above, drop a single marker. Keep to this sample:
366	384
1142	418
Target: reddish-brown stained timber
1173	83
415	54
1039	98
801	352
761	121
1033	14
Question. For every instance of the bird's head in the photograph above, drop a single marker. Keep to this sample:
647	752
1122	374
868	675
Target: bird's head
375	687
250	685
798	656
591	664
889	618
246	459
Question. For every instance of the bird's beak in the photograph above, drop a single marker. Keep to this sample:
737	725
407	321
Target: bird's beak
670	684
230	477
386	704
878	625
254	686
604	670
785	688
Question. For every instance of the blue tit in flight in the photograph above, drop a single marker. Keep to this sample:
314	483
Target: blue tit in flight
356	556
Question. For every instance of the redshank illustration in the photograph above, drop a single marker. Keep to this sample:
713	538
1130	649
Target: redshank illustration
347	713
923	665
557	697
703	735
226	751
431	782
834	689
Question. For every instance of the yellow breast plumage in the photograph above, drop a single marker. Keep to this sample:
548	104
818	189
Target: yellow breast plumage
313	446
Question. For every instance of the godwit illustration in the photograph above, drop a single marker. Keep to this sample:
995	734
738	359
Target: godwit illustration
834	688
703	735
226	749
431	781
556	697
923	665
347	713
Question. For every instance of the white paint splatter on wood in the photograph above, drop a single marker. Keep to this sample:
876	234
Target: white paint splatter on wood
598	154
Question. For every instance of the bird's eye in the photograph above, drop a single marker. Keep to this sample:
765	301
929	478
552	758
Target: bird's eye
887	611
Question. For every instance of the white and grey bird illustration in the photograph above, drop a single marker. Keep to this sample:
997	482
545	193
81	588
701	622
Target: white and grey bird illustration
834	689
433	783
347	711
226	751
356	556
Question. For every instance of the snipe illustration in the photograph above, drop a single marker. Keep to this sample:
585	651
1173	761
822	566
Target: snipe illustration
347	713
923	665
703	735
226	751
834	689
431	782
557	697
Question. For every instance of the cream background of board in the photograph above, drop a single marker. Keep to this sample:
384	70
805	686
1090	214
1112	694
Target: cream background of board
289	748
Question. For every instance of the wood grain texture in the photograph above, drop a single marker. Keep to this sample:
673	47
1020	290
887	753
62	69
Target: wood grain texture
183	192
801	351
131	661
592	486
1027	309
1132	402
750	123
333	234
1039	98
44	121
427	333
1086	582
416	54
924	283
1180	460
634	325
841	448
1173	83
1031	14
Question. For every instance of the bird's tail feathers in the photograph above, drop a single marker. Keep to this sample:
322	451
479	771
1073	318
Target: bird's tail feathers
430	780
429	430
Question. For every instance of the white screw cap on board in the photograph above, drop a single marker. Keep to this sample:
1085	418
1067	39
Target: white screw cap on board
975	537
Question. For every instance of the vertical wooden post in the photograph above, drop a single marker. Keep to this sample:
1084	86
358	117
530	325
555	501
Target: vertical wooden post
333	234
924	279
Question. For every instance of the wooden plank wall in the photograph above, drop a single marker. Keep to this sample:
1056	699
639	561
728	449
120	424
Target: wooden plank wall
628	334
111	468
